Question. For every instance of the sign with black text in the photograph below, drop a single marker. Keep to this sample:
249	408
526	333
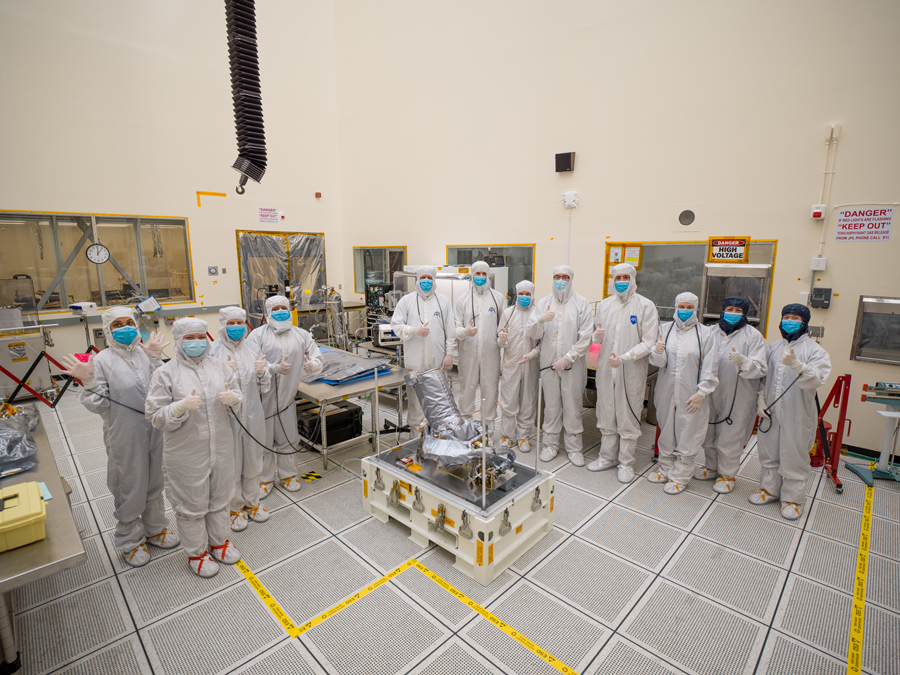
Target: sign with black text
729	250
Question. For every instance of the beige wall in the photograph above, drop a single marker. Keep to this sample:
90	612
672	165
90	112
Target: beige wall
450	115
429	124
125	108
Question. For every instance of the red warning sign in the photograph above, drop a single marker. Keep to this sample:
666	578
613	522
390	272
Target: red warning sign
864	224
729	250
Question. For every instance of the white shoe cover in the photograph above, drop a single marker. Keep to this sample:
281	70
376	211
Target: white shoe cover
790	510
761	497
525	445
625	474
291	484
701	472
673	488
239	521
724	485
601	464
265	489
165	539
576	458
258	513
203	566
226	553
139	557
504	442
547	454
657	476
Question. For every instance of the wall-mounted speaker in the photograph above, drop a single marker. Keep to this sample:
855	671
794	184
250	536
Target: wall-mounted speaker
565	161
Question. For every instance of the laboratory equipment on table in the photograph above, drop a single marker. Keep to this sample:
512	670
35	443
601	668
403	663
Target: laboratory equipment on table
887	393
334	319
22	338
451	488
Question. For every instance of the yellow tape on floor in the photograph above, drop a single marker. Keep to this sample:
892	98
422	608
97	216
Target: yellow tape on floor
854	653
267	598
514	634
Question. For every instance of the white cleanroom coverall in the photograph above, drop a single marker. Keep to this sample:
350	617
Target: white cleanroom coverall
248	454
687	366
421	353
134	449
479	308
198	445
567	336
784	448
631	323
279	341
725	442
518	389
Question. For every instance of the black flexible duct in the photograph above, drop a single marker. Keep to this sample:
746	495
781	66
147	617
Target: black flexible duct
240	17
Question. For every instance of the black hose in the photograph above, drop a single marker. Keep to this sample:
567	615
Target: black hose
728	419
769	408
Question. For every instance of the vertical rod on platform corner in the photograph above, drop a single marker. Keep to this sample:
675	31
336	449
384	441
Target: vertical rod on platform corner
537	450
483	459
375	417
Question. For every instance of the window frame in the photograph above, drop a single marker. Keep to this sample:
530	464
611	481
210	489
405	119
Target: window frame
402	248
63	260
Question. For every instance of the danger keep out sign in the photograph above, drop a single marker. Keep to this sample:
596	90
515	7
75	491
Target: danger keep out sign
729	249
864	224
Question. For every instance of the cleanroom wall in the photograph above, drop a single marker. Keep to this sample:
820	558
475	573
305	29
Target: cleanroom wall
450	115
125	108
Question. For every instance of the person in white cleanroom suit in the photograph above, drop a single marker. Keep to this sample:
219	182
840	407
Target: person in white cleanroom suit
797	366
134	449
188	401
741	358
290	352
563	323
243	357
424	321
476	316
686	357
518	390
627	324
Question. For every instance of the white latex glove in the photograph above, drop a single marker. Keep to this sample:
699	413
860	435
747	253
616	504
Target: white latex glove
615	361
788	358
231	363
228	397
524	359
694	402
447	364
561	364
154	348
761	406
504	336
191	402
308	365
736	357
548	315
423	330
260	365
471	330
600	333
284	367
660	345
78	369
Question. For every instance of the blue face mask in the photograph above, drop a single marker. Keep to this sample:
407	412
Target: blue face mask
622	286
281	315
479	281
732	317
193	347
235	332
426	284
791	326
685	314
125	335
560	284
524	301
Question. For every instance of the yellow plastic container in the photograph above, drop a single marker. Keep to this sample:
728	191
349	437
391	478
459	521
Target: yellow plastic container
22	514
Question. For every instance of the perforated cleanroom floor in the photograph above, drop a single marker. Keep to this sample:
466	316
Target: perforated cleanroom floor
629	581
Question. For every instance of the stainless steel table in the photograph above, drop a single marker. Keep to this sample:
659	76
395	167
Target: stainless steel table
323	394
59	550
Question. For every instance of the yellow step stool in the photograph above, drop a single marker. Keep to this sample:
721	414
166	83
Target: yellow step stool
22	514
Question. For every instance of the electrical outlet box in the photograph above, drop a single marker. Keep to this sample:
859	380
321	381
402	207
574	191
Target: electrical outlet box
820	298
817	212
816	331
817	263
570	199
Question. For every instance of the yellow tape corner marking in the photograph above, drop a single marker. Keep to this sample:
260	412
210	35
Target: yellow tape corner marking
267	598
209	194
514	634
858	613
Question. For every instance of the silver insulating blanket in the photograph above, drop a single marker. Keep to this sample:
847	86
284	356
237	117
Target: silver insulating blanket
449	453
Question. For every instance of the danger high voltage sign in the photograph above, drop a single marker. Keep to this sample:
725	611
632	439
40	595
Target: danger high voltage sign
729	250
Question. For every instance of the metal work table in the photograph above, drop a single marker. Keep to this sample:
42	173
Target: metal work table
323	394
59	550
